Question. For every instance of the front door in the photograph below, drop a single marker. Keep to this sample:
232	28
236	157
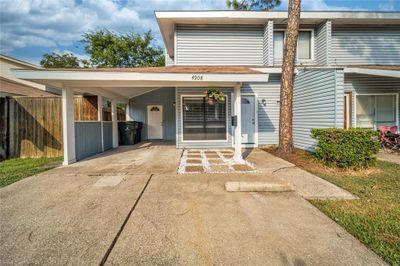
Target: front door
154	122
248	119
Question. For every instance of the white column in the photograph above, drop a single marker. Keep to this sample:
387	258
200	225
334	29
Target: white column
68	125
114	123
100	118
128	113
238	129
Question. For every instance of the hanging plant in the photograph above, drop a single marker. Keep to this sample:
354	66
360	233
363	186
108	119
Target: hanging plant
214	95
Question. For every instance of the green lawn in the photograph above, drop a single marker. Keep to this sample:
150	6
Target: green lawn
14	170
375	218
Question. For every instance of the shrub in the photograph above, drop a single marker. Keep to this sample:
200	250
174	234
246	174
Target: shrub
346	148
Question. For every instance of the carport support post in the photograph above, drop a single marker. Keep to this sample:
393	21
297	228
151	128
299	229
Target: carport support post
68	125
100	118
238	128
114	123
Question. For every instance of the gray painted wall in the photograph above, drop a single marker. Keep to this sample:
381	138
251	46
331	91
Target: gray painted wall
202	144
268	115
352	46
164	97
219	45
364	84
107	135
268	56
87	139
317	103
322	43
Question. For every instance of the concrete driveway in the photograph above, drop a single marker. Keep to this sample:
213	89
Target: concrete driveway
80	215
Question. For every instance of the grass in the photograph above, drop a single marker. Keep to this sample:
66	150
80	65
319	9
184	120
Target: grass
14	170
375	218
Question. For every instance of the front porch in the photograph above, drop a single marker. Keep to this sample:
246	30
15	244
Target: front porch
224	129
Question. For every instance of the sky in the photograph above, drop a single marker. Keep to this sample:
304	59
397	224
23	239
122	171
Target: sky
31	28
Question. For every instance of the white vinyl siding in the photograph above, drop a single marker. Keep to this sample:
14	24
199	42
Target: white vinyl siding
365	46
317	103
268	113
323	36
219	45
268	56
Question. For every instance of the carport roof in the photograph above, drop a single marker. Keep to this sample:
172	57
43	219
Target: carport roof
376	70
174	69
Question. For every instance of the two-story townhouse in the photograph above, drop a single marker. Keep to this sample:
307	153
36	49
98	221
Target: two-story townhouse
347	75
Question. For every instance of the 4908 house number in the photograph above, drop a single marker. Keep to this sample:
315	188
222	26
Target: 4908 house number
197	77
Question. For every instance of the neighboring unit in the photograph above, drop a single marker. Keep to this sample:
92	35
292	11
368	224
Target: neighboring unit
347	75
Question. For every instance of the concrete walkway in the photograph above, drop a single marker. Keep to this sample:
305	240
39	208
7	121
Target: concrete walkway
389	157
307	185
71	215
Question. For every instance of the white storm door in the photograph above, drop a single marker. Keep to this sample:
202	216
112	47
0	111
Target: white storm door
248	119
154	122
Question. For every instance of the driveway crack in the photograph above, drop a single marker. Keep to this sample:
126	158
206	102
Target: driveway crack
110	248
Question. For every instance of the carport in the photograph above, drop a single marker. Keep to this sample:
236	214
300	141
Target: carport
120	85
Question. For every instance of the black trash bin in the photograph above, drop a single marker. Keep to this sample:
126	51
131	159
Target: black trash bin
138	135
127	132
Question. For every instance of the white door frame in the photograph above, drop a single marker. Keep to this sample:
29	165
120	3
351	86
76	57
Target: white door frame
349	111
162	119
255	121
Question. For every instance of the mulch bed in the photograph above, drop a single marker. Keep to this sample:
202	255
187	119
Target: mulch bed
306	161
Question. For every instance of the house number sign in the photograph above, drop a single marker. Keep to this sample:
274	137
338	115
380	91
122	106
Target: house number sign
197	77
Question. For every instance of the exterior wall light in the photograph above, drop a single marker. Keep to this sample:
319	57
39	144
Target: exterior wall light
264	102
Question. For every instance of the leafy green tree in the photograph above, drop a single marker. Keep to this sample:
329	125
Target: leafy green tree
253	4
54	60
289	56
110	49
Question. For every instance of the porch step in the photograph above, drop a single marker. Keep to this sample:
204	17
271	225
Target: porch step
246	186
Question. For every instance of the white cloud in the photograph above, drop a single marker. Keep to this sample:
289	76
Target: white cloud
57	23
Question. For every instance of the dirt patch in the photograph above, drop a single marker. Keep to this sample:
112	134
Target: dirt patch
194	156
228	156
306	161
242	167
195	161
219	168
215	161
210	153
212	156
194	169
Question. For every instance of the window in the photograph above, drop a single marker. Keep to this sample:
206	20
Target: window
304	45
279	37
373	111
202	121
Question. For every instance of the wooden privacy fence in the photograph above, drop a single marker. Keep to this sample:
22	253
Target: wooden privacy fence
35	127
32	126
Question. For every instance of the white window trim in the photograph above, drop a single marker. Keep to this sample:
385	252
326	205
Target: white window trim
204	141
297	59
377	94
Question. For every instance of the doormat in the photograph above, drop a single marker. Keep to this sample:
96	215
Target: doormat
209	161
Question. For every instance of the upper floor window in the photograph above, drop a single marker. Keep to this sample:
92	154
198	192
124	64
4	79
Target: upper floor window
304	44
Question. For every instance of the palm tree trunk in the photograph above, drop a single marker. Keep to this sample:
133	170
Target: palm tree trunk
286	97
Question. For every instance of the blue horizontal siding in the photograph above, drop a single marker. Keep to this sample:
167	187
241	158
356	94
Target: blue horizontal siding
87	139
107	135
166	98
